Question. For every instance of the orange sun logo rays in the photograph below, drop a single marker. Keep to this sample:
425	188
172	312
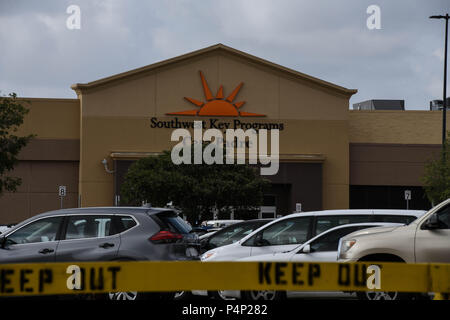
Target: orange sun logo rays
217	106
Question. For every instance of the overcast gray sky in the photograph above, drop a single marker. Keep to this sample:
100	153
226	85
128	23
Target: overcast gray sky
328	39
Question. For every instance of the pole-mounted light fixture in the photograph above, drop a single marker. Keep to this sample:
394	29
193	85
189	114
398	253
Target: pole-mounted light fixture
444	100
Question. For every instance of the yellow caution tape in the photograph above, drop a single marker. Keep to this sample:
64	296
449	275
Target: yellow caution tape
98	277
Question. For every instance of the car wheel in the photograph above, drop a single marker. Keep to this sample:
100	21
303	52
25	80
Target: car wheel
391	295
268	295
219	295
130	295
133	295
182	295
378	295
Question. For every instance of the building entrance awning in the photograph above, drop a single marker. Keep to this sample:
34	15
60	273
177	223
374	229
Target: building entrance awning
294	157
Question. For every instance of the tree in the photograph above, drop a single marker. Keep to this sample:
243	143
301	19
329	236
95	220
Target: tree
196	189
437	175
12	113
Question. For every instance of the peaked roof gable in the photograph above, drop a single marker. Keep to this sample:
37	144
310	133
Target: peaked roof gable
78	87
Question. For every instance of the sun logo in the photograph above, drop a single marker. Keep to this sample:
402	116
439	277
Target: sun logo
217	106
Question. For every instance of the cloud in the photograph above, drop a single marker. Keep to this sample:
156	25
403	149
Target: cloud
435	87
439	53
326	39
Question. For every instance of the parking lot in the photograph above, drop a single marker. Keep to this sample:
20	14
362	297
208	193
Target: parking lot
127	234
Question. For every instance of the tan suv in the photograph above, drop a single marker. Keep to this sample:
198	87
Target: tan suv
426	239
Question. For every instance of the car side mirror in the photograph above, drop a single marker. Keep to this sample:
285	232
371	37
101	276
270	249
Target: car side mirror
259	241
306	249
432	222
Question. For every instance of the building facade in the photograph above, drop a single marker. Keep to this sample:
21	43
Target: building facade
330	157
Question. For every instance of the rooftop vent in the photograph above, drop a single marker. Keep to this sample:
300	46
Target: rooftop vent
382	104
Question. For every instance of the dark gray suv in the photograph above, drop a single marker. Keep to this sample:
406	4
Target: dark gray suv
100	234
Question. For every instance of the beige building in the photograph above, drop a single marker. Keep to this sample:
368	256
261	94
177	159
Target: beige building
330	157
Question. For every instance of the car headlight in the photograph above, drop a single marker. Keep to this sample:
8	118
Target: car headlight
347	245
208	255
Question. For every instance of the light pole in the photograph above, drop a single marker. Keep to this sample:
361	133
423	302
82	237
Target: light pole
444	106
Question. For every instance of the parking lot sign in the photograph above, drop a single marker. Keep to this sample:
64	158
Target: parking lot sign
407	194
62	191
407	198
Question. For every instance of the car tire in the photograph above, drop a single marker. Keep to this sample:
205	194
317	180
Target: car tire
383	295
182	295
130	296
266	295
133	295
379	295
218	295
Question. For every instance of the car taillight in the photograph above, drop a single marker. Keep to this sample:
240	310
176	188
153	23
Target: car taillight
165	236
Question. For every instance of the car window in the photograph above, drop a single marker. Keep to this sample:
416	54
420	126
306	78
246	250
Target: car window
323	223
443	216
169	220
81	227
394	218
123	223
330	240
42	230
289	231
232	234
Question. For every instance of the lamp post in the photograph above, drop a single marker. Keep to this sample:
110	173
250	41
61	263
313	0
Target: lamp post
444	106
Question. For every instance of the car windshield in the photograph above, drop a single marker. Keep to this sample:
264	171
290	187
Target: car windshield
329	241
285	232
42	230
234	233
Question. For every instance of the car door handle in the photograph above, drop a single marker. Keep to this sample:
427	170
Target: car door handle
106	245
46	250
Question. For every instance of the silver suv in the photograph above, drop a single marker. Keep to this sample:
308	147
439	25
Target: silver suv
100	234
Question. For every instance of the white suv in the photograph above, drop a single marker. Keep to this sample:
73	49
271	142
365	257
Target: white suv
288	232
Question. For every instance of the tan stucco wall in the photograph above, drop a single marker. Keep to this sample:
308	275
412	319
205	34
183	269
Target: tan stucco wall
49	160
403	127
390	148
52	118
116	117
39	189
